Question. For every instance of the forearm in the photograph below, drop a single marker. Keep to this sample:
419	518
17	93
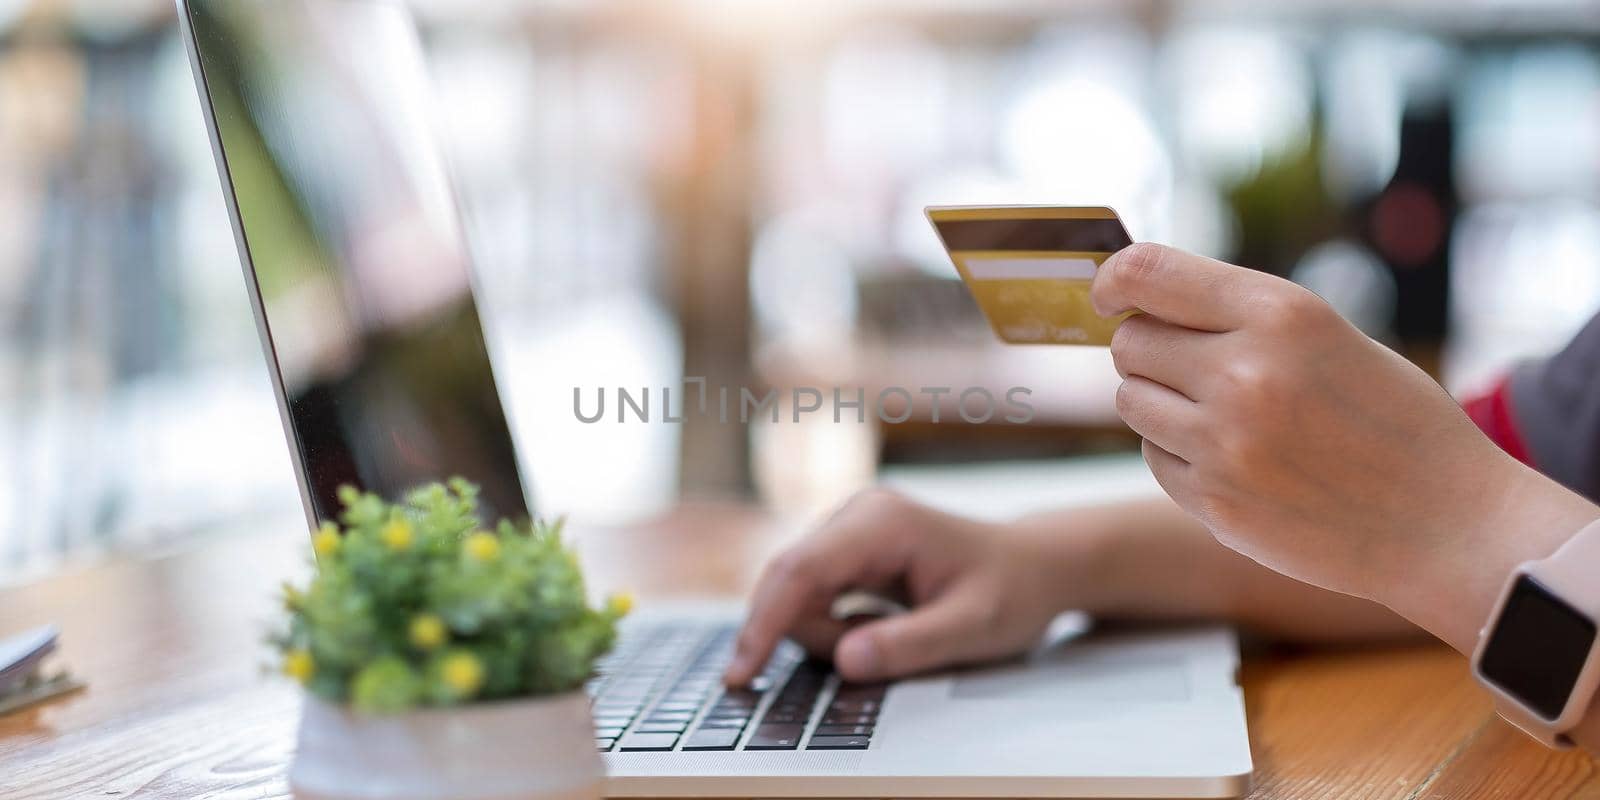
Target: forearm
1452	589
1147	559
1528	517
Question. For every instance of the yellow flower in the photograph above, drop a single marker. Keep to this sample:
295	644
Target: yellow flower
325	542
462	672
299	665
427	631
397	535
620	604
482	546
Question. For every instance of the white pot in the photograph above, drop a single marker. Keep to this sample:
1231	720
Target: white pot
534	749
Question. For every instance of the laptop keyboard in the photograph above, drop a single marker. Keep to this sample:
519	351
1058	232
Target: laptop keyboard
661	690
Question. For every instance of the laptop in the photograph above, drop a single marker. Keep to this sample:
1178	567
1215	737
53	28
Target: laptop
347	225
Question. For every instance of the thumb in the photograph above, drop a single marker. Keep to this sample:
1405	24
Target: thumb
947	630
1177	287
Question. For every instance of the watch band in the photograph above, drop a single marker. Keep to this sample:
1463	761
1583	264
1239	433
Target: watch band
1577	560
1569	577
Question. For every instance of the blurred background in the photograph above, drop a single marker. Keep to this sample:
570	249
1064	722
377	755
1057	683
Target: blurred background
733	189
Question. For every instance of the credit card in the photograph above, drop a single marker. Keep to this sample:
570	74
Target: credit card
1030	267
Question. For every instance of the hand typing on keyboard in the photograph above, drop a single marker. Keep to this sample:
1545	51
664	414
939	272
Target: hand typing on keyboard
658	692
976	591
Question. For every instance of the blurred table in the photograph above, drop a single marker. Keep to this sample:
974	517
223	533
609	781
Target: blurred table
178	705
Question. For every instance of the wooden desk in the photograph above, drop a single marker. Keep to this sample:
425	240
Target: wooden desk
178	706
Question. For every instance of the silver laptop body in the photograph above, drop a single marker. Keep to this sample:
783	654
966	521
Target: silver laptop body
346	223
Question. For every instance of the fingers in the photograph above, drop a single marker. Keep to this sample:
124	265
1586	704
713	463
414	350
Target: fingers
946	631
797	586
1162	416
818	633
1173	473
1165	353
860	545
1178	287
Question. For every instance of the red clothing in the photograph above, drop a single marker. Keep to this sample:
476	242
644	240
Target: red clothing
1546	413
1492	413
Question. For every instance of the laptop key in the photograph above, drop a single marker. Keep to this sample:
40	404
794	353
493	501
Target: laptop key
635	742
837	743
607	733
670	716
862	691
849	719
735	723
854	706
775	737
661	727
711	739
740	698
604	744
678	706
843	730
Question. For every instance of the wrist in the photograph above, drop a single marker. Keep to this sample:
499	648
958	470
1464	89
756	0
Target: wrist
1071	558
1455	582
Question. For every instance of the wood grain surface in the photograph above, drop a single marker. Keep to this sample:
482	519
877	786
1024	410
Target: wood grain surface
179	705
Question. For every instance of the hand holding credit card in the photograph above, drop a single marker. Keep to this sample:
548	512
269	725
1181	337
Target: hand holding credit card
1030	267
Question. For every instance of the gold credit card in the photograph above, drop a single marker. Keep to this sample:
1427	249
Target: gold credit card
1030	267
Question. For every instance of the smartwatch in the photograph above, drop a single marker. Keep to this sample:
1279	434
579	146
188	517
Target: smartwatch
1539	655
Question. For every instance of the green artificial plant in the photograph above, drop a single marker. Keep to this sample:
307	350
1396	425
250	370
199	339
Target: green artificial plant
415	604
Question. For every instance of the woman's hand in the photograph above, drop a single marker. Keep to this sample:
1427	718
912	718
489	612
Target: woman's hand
983	591
1314	450
976	591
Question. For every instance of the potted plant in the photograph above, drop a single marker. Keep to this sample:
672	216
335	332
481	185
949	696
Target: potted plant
443	660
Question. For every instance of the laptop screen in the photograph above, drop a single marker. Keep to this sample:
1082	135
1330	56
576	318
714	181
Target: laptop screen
356	247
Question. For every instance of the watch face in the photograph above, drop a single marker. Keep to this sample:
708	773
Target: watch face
1537	648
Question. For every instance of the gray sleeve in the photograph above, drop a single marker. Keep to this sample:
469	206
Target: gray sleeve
1556	406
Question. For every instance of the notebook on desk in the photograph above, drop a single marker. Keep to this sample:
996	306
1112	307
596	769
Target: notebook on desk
359	275
24	680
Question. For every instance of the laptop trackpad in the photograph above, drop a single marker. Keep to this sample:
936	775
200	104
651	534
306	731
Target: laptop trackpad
1078	678
1104	704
